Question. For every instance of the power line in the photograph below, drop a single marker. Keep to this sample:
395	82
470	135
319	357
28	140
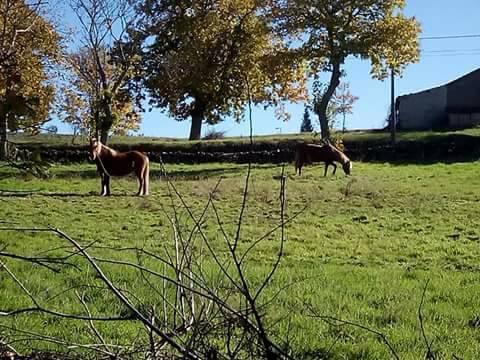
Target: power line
452	55
450	50
450	37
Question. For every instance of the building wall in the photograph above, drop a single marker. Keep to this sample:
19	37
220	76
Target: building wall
464	120
423	110
464	93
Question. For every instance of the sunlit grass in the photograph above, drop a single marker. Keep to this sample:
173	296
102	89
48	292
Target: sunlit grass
362	250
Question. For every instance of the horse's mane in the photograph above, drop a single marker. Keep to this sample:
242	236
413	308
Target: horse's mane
344	158
107	149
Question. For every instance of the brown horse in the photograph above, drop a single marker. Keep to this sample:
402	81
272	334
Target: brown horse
329	154
113	163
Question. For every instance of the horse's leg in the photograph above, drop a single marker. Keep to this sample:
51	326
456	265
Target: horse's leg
140	179
334	168
146	178
298	168
140	185
107	185
326	169
103	190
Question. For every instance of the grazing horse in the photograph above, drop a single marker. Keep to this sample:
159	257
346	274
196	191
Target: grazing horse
329	154
113	163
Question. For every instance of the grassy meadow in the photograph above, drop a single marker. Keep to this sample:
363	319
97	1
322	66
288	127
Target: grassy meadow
362	250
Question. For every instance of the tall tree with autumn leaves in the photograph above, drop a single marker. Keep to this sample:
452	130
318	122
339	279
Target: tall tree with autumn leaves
206	59
329	31
94	103
28	43
100	69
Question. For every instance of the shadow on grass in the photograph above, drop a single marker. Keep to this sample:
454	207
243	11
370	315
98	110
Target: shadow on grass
316	354
405	162
186	174
27	193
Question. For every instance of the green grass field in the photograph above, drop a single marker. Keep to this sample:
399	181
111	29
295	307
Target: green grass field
362	250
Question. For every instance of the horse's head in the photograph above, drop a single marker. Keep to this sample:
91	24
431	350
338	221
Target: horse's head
347	167
94	149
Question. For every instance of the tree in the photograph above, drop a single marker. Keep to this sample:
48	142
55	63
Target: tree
206	59
102	67
306	122
332	112
83	104
344	101
74	110
28	44
330	31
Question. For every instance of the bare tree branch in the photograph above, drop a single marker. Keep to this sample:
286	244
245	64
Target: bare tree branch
125	301
430	354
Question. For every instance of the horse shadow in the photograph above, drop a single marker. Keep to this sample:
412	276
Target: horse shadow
195	174
156	174
28	193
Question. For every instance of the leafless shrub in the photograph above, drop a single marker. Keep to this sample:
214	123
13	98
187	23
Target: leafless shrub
213	134
193	314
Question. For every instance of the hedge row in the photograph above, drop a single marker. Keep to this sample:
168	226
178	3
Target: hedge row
452	147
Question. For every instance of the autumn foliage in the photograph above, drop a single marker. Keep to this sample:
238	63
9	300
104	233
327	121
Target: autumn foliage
209	58
202	60
328	32
29	44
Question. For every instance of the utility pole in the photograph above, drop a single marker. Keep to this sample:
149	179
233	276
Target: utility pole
4	113
393	112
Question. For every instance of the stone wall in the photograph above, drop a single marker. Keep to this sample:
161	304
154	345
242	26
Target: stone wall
436	148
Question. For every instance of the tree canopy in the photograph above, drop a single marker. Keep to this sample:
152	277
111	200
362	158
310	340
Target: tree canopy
99	70
28	44
329	31
85	95
206	59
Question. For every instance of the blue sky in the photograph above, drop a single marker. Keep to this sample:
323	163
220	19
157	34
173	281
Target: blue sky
441	61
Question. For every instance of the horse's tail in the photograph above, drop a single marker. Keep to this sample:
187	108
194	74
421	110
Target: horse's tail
146	176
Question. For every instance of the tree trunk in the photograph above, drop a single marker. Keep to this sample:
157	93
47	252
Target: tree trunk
4	106
393	115
3	135
104	136
321	108
107	124
197	115
74	136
